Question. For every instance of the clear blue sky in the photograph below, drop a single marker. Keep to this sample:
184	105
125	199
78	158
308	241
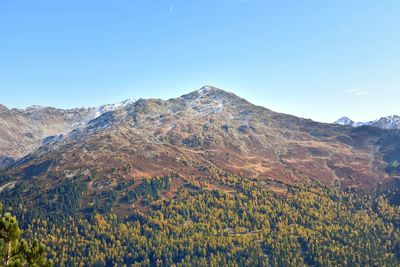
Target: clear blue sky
315	59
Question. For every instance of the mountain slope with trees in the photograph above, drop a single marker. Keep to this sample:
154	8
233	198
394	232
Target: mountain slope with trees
197	136
208	179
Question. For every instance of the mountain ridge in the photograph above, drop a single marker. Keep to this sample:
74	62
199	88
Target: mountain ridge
200	140
25	130
388	122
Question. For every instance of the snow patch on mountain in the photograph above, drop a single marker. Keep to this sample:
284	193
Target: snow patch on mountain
34	107
112	107
344	121
389	122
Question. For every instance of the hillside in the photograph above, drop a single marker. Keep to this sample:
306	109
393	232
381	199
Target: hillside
22	131
198	139
203	179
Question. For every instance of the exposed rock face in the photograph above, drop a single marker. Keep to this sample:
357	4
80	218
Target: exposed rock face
208	127
22	131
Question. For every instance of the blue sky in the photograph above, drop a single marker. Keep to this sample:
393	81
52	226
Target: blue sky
315	59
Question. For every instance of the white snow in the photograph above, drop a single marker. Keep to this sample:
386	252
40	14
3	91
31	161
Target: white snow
389	122
34	107
112	107
344	121
204	90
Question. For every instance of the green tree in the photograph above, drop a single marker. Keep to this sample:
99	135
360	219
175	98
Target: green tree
15	251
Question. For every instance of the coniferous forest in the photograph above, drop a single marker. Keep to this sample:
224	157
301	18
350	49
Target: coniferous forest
308	225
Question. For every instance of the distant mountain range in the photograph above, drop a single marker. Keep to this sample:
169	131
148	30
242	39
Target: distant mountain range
389	122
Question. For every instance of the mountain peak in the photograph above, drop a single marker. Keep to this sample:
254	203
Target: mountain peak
34	107
389	122
208	91
344	121
112	107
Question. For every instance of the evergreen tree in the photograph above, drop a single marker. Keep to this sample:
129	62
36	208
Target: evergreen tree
15	251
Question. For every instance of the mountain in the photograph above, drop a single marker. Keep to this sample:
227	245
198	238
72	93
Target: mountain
202	179
344	121
389	122
199	139
22	131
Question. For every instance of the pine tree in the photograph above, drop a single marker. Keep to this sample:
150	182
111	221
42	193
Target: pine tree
15	251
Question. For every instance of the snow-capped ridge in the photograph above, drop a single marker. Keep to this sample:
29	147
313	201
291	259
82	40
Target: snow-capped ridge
34	107
344	121
389	122
112	107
